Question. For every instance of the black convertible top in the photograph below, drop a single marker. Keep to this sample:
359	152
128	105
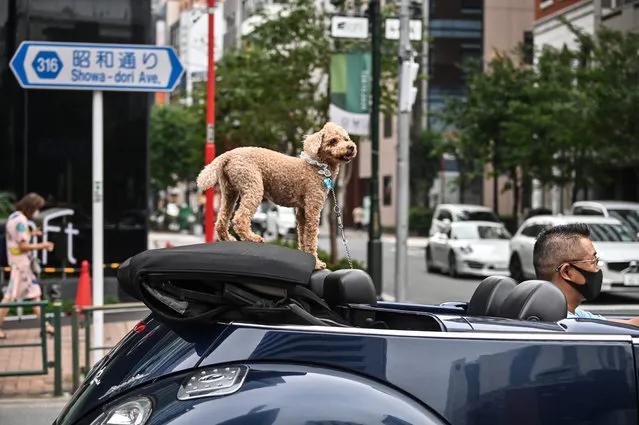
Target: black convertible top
231	261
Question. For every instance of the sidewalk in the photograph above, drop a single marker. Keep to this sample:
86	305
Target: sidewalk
30	358
159	239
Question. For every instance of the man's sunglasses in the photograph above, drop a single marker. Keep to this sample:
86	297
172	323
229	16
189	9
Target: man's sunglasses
593	261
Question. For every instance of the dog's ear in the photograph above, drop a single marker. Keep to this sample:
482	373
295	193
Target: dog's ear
313	143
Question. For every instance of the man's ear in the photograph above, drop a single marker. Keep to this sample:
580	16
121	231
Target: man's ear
313	143
568	273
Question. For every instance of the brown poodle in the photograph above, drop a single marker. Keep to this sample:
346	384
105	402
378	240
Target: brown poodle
252	173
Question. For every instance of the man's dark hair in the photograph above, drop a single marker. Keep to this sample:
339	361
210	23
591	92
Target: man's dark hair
557	245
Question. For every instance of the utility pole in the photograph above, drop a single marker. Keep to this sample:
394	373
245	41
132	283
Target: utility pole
374	257
425	64
407	74
209	150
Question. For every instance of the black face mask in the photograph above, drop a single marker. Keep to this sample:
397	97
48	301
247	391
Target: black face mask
591	289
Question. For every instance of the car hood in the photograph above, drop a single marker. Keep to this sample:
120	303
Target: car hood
617	251
138	359
486	249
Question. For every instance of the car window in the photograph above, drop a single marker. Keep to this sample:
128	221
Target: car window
533	230
577	210
466	215
605	232
590	211
629	217
444	214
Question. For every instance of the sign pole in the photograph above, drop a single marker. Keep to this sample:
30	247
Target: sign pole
97	68
209	150
98	225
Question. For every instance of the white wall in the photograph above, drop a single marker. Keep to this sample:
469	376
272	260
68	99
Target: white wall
550	31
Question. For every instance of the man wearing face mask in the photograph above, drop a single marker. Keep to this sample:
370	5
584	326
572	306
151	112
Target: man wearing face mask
565	256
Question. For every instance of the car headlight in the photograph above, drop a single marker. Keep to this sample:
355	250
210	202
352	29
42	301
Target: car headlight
466	249
131	412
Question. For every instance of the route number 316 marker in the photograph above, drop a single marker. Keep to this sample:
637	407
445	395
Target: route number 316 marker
96	67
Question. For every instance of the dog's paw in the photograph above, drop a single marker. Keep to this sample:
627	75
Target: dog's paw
255	238
319	265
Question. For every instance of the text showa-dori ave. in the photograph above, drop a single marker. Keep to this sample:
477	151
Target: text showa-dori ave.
126	63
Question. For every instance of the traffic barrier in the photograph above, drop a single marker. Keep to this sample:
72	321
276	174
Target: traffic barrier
83	294
68	269
56	364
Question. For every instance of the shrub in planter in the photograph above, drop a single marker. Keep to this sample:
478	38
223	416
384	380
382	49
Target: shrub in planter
419	219
342	263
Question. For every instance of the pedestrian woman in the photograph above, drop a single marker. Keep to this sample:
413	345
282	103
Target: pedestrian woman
23	281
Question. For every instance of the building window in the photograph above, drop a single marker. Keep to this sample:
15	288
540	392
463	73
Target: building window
388	190
388	126
471	7
546	4
456	28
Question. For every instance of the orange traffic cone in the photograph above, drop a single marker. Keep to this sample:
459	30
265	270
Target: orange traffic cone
83	296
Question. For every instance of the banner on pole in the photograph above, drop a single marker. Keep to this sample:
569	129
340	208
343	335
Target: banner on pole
350	92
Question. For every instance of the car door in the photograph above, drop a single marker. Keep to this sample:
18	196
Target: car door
440	252
439	221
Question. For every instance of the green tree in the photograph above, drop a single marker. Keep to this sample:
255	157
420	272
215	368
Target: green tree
609	72
274	90
177	145
424	163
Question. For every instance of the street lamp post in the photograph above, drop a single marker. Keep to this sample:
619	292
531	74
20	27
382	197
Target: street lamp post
209	150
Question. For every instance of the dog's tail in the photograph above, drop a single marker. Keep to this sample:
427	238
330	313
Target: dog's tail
211	174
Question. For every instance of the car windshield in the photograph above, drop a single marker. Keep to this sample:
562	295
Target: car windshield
629	217
605	232
478	215
481	232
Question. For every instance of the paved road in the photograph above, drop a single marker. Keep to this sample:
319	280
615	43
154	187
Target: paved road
40	411
435	288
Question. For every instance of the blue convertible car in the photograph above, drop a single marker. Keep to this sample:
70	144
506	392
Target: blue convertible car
249	334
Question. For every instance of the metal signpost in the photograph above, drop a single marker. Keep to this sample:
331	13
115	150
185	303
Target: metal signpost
96	67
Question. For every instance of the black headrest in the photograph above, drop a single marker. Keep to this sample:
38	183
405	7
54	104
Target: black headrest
349	286
316	282
535	300
490	295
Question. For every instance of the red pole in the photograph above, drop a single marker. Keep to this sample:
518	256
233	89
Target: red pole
209	150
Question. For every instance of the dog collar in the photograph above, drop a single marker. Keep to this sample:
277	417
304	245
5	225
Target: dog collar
323	170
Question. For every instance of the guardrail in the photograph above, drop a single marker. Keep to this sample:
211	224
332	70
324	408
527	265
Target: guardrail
87	312
56	364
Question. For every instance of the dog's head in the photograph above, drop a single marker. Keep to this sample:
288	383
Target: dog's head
331	145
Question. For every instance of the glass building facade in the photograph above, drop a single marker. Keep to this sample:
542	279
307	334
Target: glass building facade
45	135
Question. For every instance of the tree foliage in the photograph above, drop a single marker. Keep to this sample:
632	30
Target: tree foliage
561	122
177	144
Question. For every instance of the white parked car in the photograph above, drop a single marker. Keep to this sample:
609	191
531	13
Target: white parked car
626	212
281	222
445	214
617	246
479	248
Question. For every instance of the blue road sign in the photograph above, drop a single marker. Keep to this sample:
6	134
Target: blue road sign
106	67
